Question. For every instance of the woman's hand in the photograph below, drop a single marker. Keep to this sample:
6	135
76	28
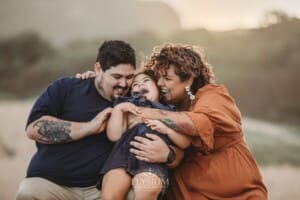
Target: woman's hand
85	75
151	149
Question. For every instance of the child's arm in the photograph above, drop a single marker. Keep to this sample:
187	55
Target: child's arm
118	121
178	139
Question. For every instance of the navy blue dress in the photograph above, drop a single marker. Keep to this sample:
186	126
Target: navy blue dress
120	156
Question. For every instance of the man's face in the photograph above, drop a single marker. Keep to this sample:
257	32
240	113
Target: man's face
115	81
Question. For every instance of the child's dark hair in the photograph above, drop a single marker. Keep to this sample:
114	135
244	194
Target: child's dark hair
115	52
149	73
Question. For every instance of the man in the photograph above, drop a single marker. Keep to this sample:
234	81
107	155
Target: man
68	123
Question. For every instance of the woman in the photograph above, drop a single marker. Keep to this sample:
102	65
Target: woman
219	165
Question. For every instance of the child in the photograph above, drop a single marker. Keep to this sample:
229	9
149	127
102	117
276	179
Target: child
122	169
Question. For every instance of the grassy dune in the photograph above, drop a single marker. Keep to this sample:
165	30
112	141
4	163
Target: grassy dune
273	144
276	148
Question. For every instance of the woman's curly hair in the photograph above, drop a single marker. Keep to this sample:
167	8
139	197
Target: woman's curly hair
187	61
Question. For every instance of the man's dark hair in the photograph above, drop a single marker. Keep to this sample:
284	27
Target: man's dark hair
114	52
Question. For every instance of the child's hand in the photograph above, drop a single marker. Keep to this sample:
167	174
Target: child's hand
158	126
128	107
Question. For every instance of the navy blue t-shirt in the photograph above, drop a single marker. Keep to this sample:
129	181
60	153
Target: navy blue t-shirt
76	163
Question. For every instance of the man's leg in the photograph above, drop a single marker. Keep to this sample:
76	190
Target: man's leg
116	184
89	193
41	189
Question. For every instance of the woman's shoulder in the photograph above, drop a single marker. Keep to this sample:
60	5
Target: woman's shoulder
212	89
212	95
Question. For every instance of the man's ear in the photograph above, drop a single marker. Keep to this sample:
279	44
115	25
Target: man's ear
97	68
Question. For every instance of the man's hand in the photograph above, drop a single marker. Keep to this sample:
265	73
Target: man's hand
98	124
153	150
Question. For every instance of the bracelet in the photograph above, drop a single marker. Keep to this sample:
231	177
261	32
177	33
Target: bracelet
171	156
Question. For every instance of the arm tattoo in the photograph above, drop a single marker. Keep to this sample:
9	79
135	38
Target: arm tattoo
184	128
53	131
171	125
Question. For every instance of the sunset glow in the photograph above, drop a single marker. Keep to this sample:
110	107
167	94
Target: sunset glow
230	14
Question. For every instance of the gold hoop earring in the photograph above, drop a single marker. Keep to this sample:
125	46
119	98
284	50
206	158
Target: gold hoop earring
189	93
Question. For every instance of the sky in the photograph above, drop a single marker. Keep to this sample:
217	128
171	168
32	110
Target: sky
229	14
61	22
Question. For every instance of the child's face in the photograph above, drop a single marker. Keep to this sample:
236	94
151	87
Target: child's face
145	85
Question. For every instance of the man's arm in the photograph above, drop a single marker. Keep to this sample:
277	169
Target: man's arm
51	130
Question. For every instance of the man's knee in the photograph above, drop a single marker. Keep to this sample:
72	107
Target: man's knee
26	192
35	188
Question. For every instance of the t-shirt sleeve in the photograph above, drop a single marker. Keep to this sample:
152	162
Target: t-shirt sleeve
51	101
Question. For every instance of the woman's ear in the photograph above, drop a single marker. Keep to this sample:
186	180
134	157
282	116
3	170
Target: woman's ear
97	68
190	81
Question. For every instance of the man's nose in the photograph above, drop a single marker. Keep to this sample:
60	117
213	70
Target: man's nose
123	82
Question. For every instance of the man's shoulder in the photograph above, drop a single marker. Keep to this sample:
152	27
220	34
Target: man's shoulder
70	86
66	80
70	82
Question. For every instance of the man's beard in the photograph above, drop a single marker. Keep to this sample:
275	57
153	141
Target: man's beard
121	91
115	93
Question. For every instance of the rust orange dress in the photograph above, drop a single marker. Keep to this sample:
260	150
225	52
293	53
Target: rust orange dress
220	165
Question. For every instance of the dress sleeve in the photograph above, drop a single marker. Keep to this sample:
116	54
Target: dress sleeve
214	112
205	128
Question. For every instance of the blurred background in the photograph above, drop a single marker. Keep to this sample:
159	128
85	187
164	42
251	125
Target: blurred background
254	47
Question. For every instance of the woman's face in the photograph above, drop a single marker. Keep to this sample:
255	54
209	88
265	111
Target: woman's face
172	88
145	85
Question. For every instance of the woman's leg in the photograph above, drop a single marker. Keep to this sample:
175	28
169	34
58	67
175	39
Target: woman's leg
147	186
115	184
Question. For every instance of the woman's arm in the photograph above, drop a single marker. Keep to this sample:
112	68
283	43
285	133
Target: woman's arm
178	139
118	121
178	121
